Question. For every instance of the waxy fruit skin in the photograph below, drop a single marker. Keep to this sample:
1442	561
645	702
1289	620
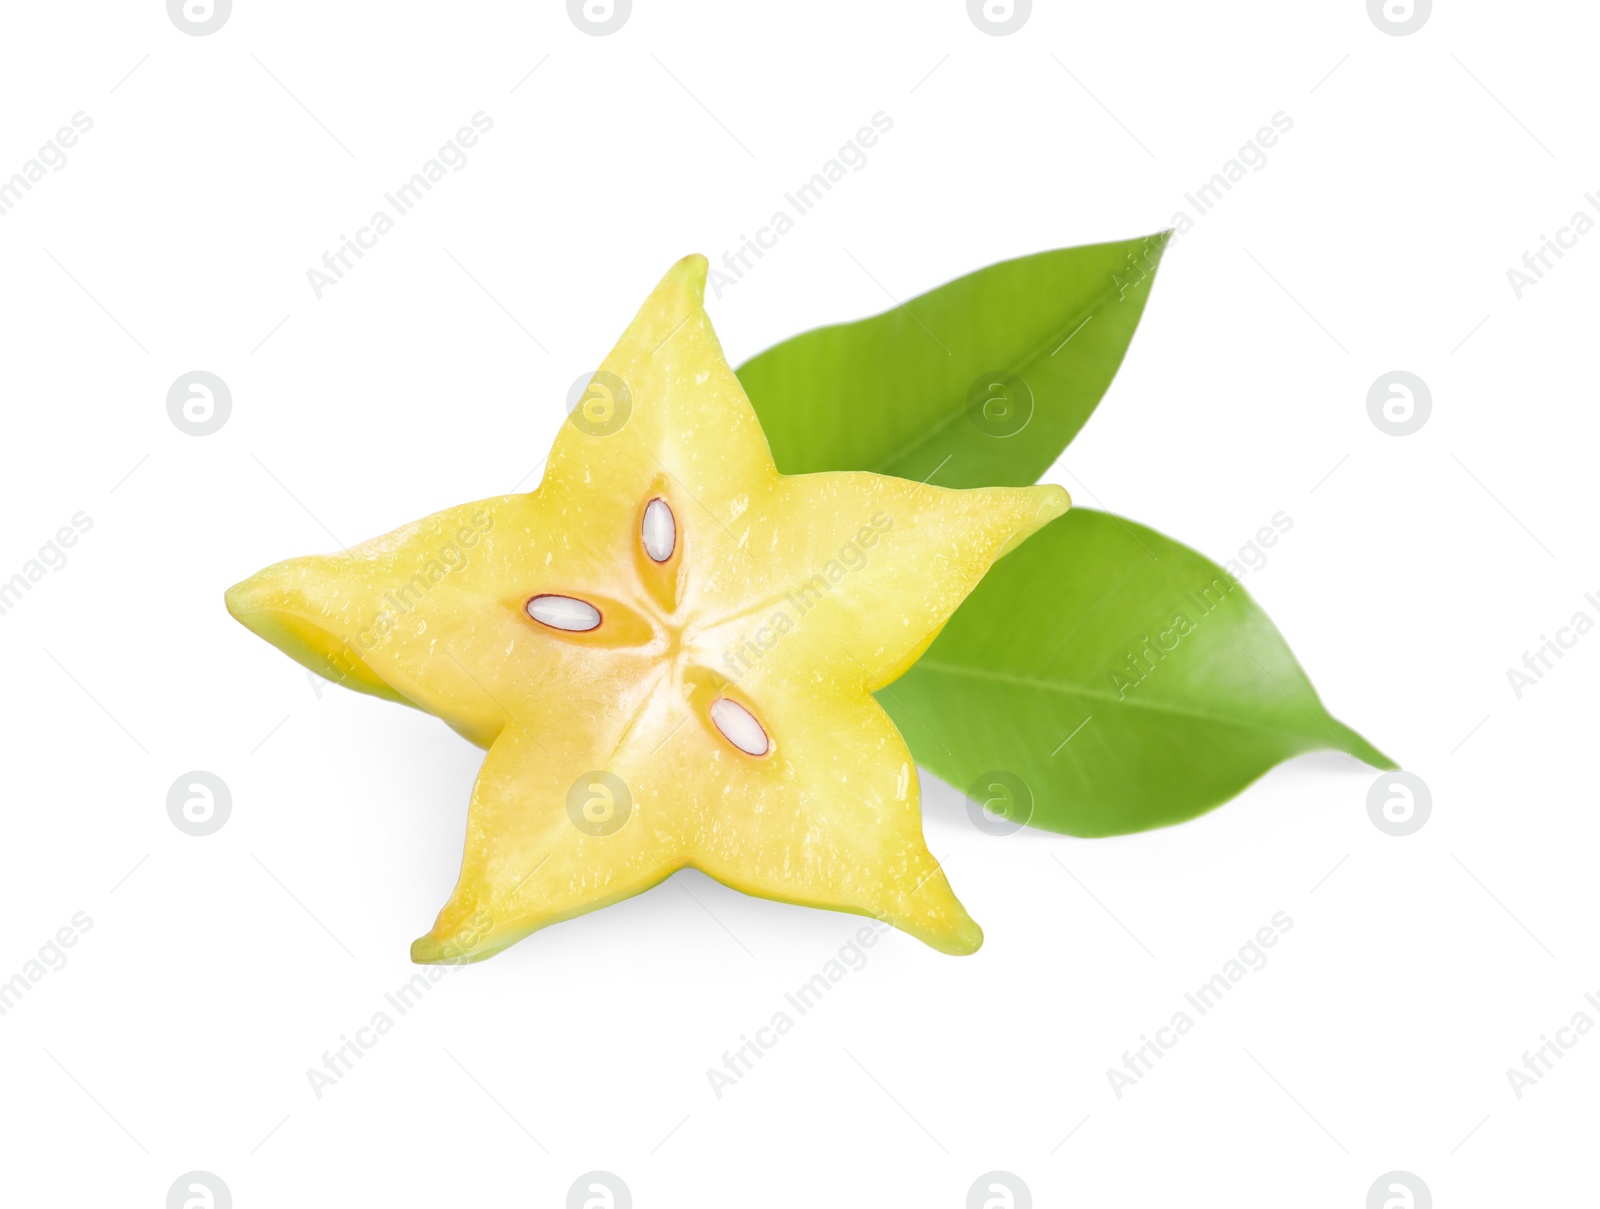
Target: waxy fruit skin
793	597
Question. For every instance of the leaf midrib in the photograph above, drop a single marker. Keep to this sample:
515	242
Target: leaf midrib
928	434
1102	695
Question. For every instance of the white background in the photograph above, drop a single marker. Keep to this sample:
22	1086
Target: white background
217	970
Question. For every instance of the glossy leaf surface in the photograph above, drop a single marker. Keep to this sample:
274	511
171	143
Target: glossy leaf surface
1127	680
981	382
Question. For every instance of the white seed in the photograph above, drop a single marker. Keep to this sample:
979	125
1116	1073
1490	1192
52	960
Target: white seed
659	532
564	612
739	727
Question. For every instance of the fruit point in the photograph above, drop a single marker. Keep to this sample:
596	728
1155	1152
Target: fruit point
669	650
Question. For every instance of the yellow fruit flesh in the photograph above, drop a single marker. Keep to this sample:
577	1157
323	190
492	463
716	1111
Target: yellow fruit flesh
792	596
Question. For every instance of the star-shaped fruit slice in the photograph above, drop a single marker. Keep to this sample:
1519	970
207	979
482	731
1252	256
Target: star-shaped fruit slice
669	650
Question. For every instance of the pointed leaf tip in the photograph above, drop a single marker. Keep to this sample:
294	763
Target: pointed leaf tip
1182	688
984	379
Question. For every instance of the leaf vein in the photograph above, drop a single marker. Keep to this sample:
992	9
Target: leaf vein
927	434
1103	695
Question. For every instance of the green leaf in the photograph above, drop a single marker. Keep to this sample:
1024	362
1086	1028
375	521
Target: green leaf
1044	673
1127	680
921	391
